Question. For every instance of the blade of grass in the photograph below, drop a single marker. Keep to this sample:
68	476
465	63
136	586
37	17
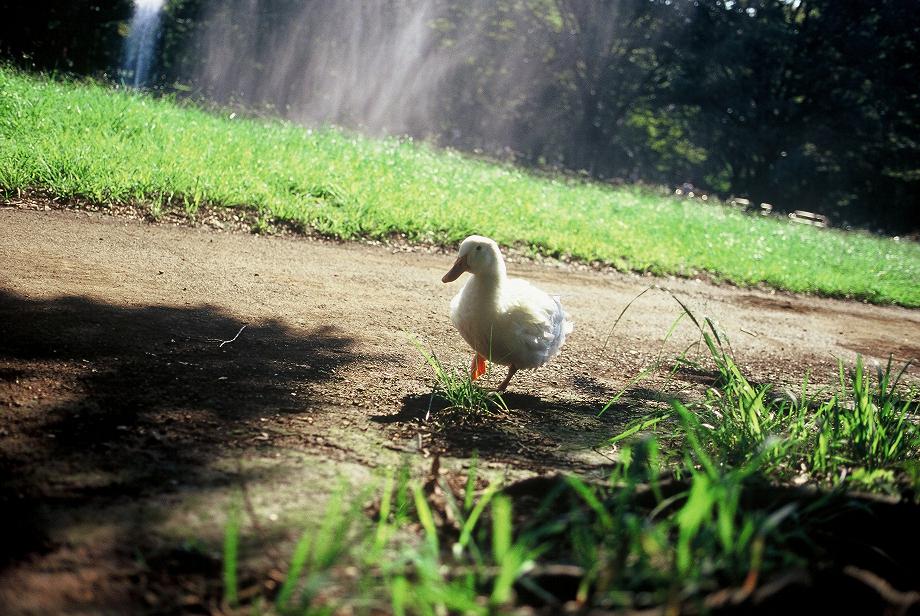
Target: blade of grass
426	518
620	316
231	555
298	561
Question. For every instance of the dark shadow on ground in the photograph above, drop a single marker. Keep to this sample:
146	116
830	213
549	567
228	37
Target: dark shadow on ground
593	387
108	405
533	432
700	376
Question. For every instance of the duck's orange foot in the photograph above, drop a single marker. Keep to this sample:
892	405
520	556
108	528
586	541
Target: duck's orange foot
478	368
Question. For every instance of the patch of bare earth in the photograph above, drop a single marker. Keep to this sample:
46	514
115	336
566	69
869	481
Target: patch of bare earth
151	374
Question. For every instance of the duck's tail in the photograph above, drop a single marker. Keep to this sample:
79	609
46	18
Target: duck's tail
561	327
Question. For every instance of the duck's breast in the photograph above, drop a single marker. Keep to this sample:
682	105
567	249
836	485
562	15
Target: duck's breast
473	311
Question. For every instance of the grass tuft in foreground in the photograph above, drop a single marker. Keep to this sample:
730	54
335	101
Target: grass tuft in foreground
463	397
88	141
863	434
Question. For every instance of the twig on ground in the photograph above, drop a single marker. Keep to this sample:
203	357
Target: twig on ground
894	597
234	338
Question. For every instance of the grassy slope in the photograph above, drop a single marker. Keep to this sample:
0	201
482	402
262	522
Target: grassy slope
88	141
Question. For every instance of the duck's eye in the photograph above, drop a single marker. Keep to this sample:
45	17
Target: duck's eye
479	248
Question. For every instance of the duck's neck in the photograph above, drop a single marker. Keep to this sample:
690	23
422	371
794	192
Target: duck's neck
490	283
495	272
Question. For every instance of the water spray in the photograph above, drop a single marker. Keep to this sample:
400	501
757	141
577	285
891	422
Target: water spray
137	57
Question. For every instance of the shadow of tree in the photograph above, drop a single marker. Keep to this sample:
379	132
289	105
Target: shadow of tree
110	402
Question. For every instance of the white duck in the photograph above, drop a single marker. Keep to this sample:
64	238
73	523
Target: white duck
507	320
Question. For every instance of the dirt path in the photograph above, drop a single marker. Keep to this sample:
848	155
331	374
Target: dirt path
128	428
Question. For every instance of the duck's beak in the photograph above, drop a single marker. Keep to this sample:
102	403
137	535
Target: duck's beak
458	268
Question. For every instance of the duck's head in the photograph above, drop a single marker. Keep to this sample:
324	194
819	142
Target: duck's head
479	256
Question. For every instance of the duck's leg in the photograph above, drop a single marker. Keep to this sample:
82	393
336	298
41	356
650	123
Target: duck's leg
479	366
504	385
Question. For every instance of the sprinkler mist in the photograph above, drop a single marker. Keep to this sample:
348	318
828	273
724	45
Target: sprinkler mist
140	45
383	67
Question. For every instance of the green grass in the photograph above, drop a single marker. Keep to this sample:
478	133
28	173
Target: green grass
443	555
460	395
862	434
87	141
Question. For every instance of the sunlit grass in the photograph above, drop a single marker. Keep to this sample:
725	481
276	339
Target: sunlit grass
90	142
865	433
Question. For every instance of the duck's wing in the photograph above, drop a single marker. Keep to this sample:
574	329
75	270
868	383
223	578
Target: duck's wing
536	321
